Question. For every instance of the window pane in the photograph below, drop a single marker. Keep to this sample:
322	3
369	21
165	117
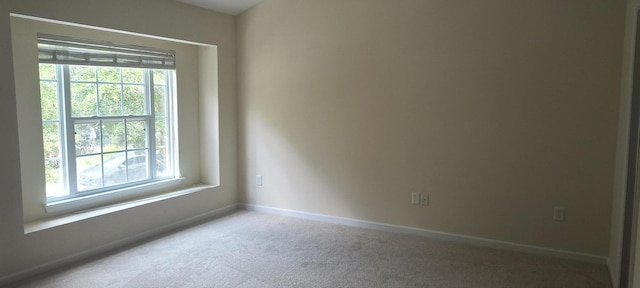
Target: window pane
87	138
47	72
115	169
137	166
82	73
134	100
161	132
83	100
163	165
159	77
113	135
89	172
132	75
108	74
136	134
54	177
160	100
110	99
52	164
163	160
49	100
51	139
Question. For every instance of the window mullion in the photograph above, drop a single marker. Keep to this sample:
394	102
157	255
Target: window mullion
61	127
121	93
126	148
100	123
126	126
151	123
95	74
69	134
170	123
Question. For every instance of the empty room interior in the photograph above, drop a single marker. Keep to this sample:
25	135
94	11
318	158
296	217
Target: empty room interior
319	143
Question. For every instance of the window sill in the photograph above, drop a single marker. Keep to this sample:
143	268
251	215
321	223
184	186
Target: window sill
90	201
39	225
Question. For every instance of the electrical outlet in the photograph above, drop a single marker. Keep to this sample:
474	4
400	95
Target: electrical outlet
415	198
259	180
424	199
559	213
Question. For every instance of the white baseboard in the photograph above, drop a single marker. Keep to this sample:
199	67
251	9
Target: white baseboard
113	245
476	241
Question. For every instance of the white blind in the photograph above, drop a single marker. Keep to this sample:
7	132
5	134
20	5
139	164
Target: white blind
66	50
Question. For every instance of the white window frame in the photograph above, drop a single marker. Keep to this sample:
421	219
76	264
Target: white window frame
148	61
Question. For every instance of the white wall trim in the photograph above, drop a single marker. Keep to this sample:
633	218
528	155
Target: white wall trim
476	241
113	245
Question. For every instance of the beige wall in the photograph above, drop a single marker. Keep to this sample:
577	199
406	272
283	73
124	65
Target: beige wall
499	109
162	18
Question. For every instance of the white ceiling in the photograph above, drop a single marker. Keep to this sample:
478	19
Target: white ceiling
233	7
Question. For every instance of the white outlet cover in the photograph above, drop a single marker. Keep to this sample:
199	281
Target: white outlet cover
259	180
424	199
559	213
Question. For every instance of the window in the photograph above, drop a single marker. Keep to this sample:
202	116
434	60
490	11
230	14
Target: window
106	116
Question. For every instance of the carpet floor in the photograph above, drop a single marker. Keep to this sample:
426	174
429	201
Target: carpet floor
251	249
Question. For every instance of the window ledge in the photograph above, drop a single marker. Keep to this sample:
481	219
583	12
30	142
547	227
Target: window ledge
100	199
39	225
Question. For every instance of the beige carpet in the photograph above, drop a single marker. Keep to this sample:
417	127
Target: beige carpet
251	249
